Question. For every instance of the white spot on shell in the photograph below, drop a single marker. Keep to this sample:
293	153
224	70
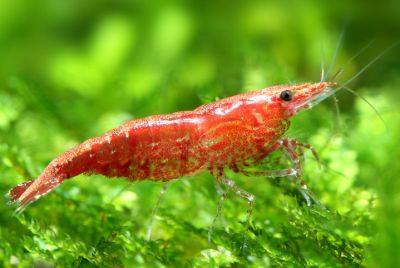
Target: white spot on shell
184	138
127	135
153	144
258	116
108	139
226	110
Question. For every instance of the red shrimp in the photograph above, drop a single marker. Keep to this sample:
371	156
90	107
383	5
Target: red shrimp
233	132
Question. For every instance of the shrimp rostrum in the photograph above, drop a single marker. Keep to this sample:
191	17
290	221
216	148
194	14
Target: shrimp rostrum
229	133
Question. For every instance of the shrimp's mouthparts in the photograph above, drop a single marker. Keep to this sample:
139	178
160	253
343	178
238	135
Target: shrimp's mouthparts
316	98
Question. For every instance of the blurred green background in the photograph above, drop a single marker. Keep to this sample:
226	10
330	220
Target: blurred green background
71	70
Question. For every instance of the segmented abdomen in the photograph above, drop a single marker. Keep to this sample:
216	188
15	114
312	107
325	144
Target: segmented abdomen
156	148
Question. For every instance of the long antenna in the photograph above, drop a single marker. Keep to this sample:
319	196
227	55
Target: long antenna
369	64
322	63
367	102
340	70
339	44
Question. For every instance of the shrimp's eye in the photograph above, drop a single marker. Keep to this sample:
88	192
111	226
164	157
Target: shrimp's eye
286	95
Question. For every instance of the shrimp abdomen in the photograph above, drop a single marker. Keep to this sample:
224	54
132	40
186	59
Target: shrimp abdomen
160	148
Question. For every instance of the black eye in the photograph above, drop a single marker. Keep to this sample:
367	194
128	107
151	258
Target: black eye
286	95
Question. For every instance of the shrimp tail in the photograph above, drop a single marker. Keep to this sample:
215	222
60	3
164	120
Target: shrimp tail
28	192
18	190
69	164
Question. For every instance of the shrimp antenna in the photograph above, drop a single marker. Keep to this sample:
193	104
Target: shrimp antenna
339	44
344	85
367	102
369	64
323	78
341	69
322	62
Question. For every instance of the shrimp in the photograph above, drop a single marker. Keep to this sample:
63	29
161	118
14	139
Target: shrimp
234	132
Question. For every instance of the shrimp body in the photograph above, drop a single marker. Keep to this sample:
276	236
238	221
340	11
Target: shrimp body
232	132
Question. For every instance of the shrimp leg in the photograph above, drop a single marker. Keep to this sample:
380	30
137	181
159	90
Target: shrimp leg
238	191
267	173
290	146
271	173
223	196
155	209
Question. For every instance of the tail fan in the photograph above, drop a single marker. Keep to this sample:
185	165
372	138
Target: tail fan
28	192
18	190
